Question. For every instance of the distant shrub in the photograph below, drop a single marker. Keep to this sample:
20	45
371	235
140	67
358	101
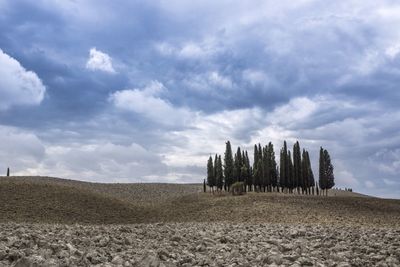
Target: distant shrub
238	188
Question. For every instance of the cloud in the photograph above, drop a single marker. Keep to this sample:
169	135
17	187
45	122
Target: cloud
369	184
19	149
220	81
102	161
346	179
148	103
18	86
99	61
257	71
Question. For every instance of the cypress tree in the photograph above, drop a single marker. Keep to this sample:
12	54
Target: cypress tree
249	180
297	175
265	169
204	185
258	176
260	160
273	166
219	174
236	169
210	173
311	181
244	170
215	169
228	166
255	168
283	168
322	178
8	171
290	172
244	178
239	164
287	167
323	182
269	167
304	172
329	177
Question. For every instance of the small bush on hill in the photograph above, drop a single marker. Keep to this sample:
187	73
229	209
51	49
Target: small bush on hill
238	188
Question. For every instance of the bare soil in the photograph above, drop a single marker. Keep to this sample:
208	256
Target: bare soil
55	222
44	199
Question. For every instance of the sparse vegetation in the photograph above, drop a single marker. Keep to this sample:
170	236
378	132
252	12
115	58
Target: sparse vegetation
238	188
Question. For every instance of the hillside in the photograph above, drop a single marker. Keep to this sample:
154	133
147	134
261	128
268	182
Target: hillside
45	199
23	201
55	222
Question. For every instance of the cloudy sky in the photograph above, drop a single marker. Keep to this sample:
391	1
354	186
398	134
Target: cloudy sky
128	91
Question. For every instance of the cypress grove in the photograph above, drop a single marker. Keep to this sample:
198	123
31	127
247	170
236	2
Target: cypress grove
294	173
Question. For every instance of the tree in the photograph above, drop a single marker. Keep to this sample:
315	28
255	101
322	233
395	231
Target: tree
204	186
258	175
228	166
8	171
273	166
236	169
238	165
326	177
307	173
255	168
322	178
210	173
215	169
290	172
219	178
310	181
284	168
249	180
297	174
265	163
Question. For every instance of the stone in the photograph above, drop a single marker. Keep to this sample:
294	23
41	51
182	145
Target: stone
117	260
149	260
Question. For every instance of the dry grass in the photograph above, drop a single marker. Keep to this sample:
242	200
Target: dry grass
43	199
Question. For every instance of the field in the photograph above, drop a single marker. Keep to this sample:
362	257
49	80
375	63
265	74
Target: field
54	221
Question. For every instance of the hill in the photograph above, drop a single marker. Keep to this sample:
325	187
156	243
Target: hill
45	199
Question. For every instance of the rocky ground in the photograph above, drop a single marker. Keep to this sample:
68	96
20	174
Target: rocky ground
48	221
197	244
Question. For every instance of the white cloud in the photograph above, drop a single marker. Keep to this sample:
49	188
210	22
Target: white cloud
192	50
254	76
218	80
99	61
295	111
19	149
18	86
387	161
146	102
345	178
101	161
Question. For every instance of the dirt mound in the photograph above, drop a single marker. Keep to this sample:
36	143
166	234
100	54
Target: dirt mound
137	193
44	199
45	202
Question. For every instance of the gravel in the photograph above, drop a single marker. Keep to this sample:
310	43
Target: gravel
197	244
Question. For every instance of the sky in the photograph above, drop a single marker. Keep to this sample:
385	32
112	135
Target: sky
146	91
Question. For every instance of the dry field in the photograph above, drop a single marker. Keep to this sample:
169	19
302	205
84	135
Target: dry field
49	221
